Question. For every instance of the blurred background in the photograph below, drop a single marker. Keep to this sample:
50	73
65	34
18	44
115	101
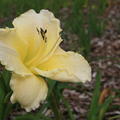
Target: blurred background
91	28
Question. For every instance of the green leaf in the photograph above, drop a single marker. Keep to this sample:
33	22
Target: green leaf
104	107
26	117
2	96
51	85
31	116
43	107
94	108
62	86
7	110
6	75
7	97
114	117
43	117
5	93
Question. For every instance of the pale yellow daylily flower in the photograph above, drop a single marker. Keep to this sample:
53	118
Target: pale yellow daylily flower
30	49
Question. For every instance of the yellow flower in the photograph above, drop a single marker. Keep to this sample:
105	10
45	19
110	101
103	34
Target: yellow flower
31	48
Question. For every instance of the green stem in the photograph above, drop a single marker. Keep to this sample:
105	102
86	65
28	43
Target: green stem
55	106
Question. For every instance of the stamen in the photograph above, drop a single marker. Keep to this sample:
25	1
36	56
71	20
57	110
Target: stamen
43	34
45	31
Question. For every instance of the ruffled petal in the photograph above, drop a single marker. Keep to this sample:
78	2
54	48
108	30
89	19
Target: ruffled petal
65	66
8	36
12	61
28	27
29	91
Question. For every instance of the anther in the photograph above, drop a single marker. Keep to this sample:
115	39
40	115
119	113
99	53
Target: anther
43	34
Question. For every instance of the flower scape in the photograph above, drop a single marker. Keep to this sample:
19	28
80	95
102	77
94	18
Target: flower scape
31	49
